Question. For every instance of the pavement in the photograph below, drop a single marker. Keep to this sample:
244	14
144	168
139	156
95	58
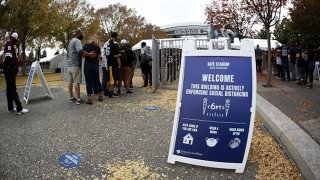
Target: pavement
291	113
115	130
121	129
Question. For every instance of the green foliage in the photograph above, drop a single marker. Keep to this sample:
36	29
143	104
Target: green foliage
72	15
305	21
29	18
283	31
262	34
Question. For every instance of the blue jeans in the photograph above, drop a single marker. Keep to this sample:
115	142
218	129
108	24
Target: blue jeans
311	67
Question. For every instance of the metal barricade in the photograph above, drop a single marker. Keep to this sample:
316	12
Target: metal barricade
167	54
170	60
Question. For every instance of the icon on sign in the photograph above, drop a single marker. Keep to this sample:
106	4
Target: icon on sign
188	139
205	103
178	151
227	106
212	142
234	143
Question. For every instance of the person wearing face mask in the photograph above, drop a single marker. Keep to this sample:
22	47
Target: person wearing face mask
10	68
74	57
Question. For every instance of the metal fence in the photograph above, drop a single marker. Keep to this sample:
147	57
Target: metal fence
167	54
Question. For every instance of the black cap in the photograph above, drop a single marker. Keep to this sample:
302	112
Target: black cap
114	34
143	44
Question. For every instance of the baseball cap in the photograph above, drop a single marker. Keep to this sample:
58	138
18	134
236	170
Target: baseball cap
15	35
123	41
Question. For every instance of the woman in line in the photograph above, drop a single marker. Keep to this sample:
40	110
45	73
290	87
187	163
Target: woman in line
91	71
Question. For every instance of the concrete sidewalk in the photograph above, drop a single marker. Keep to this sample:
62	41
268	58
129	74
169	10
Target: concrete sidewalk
291	113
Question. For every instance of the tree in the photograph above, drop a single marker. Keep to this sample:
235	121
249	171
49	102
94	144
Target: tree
232	15
30	19
268	12
72	15
123	20
149	29
262	34
305	21
283	33
31	56
44	54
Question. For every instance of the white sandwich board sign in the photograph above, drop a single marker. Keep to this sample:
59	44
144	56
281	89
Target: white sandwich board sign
36	68
215	106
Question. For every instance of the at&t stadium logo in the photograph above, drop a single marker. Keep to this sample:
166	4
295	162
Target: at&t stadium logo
215	110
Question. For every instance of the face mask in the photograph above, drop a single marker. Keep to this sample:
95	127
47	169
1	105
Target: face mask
80	37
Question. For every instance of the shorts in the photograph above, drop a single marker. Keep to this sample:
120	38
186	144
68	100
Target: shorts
113	75
74	75
125	73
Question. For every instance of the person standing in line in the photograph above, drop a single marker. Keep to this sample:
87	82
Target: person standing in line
127	58
74	56
285	62
10	68
301	66
91	70
311	64
146	66
259	54
114	63
292	56
279	66
133	67
273	61
305	57
105	71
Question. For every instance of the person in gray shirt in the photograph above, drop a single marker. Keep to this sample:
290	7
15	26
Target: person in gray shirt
74	57
258	53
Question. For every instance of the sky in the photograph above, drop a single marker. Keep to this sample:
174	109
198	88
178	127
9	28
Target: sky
162	12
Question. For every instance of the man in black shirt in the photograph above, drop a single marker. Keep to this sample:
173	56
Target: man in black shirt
114	63
284	50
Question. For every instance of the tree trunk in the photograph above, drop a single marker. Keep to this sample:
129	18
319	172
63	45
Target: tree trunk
269	69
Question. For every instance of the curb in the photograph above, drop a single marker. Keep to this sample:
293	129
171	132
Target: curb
296	142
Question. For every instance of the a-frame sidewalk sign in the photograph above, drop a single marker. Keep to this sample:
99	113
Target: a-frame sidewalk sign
36	68
215	108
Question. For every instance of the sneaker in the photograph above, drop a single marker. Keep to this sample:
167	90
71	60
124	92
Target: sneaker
116	95
23	111
129	92
72	100
79	101
13	110
106	93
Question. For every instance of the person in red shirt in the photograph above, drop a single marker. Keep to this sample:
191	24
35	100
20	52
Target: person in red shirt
10	68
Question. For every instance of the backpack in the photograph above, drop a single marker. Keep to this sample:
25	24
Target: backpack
147	54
